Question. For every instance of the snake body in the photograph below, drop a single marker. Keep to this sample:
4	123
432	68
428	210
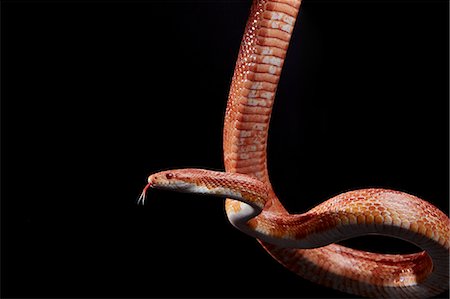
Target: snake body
303	243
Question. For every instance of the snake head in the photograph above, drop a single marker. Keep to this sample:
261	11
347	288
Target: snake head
168	180
189	180
174	180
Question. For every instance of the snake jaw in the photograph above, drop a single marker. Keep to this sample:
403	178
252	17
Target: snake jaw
153	182
169	180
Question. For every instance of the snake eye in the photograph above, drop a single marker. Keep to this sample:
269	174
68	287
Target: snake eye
169	175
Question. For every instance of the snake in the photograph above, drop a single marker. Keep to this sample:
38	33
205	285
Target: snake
306	244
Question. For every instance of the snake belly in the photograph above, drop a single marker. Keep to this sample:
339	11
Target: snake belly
304	243
257	72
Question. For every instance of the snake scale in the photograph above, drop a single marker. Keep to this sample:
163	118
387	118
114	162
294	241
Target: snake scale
304	243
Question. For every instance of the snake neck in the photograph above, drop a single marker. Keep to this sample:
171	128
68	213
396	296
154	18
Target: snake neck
254	84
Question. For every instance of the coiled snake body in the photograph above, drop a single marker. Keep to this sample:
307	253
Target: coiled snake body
303	243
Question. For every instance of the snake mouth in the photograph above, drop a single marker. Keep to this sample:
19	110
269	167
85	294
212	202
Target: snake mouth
166	183
175	185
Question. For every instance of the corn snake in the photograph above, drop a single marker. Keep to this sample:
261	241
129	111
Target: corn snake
253	207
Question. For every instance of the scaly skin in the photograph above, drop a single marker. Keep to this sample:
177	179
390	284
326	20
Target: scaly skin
304	243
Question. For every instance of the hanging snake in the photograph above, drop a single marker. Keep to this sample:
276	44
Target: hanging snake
305	243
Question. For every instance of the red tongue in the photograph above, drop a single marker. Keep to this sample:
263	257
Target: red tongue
141	198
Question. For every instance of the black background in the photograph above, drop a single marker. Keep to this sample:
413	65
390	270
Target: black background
98	95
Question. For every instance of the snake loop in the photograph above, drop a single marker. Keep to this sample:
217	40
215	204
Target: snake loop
304	243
